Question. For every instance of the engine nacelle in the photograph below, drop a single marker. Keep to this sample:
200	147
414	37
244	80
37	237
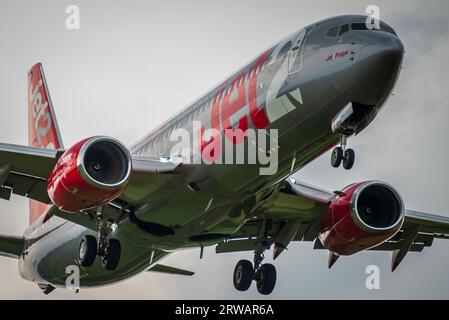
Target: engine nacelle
91	173
364	215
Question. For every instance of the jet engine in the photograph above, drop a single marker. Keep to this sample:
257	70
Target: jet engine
362	216
91	173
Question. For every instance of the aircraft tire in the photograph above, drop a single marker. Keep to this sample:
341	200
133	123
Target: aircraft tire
349	159
112	258
243	275
336	157
266	279
87	251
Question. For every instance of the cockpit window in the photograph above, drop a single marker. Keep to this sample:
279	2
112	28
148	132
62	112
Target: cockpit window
333	32
363	26
387	28
359	26
338	30
343	29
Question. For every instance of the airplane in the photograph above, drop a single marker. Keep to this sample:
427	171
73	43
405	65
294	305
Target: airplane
115	212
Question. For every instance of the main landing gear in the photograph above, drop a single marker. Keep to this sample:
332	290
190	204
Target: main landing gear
108	249
342	155
263	274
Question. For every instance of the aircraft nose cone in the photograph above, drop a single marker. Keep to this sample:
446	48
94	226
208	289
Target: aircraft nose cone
391	56
386	57
394	46
379	68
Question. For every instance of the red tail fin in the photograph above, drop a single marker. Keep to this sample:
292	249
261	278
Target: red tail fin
43	129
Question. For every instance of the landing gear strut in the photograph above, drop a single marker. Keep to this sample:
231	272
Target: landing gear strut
342	155
108	249
263	274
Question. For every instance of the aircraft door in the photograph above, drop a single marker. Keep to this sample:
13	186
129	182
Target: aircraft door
295	55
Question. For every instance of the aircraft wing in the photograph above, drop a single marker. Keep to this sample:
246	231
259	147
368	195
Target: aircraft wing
418	232
11	246
24	171
148	178
294	213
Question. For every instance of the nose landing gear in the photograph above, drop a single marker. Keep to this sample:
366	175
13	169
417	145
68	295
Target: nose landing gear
342	155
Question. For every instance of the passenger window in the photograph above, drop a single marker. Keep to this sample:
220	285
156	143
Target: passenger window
333	32
343	29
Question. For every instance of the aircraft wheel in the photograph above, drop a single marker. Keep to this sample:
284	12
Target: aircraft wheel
112	257
266	279
349	159
243	275
87	251
337	157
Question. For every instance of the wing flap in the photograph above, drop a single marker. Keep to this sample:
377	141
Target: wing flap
27	186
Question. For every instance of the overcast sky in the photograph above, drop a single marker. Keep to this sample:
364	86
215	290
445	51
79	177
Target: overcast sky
133	64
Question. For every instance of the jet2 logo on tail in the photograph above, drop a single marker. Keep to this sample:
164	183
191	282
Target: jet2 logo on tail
41	114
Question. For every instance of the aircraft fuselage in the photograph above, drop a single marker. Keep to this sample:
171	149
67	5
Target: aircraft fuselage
298	86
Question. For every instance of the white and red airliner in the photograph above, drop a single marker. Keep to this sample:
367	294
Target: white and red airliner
114	212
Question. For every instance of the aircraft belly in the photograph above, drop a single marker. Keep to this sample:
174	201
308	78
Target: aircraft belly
47	259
